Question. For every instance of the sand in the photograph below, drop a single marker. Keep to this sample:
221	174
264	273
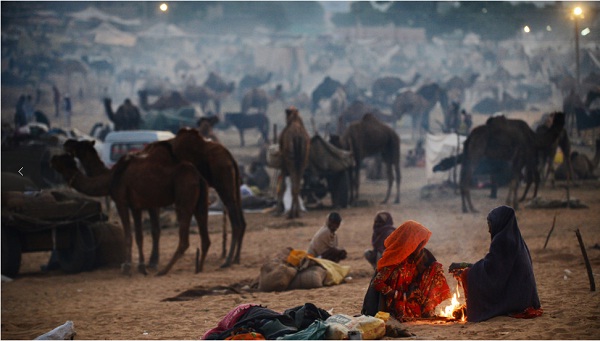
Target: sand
103	304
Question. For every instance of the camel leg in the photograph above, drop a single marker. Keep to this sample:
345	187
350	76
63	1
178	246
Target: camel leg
241	132
201	215
356	184
398	180
390	180
224	244
124	215
184	216
139	239
233	205
155	228
465	183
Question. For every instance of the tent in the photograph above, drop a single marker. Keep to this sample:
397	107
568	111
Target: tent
109	35
440	146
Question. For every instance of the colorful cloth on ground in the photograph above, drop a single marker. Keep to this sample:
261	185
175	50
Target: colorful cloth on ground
322	240
382	228
420	284
503	281
405	240
230	319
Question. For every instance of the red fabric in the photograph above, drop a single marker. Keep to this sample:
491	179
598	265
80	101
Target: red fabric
528	313
230	319
405	240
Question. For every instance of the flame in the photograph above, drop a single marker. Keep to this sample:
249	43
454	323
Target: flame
454	308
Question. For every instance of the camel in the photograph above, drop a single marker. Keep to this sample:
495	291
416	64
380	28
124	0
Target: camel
253	81
127	182
220	170
546	155
218	84
172	100
571	104
93	166
323	91
294	144
416	106
241	122
508	140
127	116
582	167
385	87
368	137
205	127
355	112
255	98
204	96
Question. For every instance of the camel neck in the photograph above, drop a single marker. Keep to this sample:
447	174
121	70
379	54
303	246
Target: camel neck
95	186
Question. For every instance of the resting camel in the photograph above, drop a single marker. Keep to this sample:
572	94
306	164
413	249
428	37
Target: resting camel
92	164
583	167
294	144
127	116
369	137
508	140
128	182
220	170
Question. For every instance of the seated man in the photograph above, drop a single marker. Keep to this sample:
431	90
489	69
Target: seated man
324	243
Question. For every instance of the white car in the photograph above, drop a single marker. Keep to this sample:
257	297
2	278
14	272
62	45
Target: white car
119	143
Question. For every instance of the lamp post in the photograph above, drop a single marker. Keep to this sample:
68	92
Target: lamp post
577	12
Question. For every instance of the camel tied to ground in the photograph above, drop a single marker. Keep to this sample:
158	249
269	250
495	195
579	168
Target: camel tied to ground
507	140
127	182
369	137
220	169
294	144
93	166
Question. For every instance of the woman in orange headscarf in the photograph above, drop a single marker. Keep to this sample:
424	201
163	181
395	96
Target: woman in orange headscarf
408	275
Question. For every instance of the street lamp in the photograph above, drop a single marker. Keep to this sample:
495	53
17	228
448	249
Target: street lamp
577	13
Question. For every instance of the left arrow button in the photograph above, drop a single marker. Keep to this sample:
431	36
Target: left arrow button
20	171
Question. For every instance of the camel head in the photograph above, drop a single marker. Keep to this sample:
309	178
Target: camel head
291	114
558	120
79	148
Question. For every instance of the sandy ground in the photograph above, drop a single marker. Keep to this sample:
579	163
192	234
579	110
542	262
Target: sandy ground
103	304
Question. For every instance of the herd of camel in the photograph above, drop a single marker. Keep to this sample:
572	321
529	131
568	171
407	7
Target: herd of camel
183	168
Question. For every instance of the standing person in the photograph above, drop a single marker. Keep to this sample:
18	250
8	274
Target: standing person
28	108
408	276
56	100
67	107
20	117
324	243
502	283
383	226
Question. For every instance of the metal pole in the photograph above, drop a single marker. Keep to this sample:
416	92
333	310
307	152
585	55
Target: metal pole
577	51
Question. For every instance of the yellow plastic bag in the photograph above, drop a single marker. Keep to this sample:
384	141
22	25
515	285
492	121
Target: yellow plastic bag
335	272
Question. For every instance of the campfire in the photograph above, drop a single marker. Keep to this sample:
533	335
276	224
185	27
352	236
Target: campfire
455	310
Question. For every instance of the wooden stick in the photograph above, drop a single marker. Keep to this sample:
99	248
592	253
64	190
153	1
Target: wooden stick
587	262
549	233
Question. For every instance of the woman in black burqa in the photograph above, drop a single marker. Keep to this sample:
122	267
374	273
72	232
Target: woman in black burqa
383	226
502	283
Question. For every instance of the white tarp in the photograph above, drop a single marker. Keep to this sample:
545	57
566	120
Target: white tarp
437	147
164	31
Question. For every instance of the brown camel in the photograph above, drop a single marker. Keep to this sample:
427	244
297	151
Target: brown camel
204	96
218	166
294	144
369	137
547	155
583	167
507	140
255	98
385	87
356	111
127	182
92	164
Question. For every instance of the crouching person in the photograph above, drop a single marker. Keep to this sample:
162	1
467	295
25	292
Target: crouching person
324	243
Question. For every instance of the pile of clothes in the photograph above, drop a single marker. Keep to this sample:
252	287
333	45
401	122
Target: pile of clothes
306	322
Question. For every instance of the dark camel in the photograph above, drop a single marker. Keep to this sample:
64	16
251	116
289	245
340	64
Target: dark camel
127	116
205	127
385	87
255	98
92	164
127	182
368	137
324	90
356	111
294	144
547	155
416	106
508	140
219	168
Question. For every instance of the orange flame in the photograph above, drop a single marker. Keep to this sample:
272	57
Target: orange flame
454	308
